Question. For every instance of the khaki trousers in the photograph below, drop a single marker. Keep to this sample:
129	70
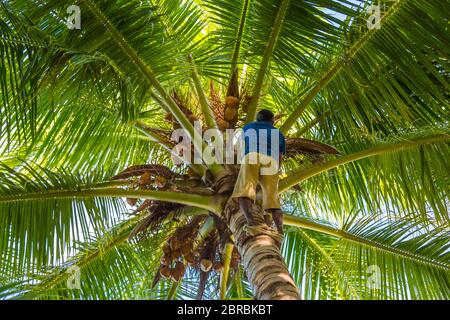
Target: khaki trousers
258	168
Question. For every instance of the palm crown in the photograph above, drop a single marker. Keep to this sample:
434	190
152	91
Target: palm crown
86	118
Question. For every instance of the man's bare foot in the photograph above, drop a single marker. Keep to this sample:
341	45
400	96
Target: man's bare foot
277	216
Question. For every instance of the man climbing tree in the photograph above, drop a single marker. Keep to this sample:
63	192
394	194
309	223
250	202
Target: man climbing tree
264	147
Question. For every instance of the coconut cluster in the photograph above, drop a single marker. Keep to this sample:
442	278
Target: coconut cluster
230	113
179	253
172	265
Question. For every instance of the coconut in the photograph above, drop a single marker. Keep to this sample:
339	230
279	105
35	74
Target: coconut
186	248
166	249
193	118
173	274
132	201
170	257
175	244
223	124
146	178
165	259
177	273
217	266
230	114
205	265
165	272
231	101
177	253
190	258
180	267
160	181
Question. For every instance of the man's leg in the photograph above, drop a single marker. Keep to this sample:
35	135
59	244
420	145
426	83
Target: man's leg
245	187
277	216
271	201
245	204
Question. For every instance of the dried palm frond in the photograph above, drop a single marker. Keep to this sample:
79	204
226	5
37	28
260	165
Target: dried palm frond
305	146
278	117
180	103
144	205
159	211
152	169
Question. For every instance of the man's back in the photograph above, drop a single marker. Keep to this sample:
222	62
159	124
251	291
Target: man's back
259	137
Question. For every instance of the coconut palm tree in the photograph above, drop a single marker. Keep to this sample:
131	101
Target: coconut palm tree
92	205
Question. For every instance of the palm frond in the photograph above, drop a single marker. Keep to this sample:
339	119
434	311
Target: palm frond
330	267
405	176
38	232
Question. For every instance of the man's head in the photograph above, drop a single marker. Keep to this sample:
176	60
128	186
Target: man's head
265	115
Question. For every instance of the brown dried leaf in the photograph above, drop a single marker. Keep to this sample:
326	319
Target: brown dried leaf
139	170
305	146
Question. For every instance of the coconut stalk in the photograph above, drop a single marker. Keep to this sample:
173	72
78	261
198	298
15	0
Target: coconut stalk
204	103
226	270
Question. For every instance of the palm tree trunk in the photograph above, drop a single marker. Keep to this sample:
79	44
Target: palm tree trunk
260	255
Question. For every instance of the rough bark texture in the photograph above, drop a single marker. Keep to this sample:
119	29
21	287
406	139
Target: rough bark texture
260	255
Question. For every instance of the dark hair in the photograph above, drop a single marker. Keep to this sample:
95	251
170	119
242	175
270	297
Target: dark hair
265	115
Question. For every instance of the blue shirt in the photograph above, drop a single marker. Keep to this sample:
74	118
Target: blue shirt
259	137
